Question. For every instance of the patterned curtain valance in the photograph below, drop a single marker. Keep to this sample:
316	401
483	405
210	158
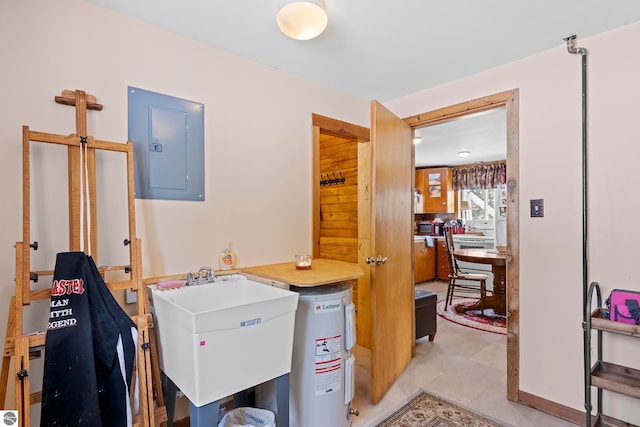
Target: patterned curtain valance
479	176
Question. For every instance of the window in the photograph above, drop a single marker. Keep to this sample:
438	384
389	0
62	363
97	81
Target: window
480	203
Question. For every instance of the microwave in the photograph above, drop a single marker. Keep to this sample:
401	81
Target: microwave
429	228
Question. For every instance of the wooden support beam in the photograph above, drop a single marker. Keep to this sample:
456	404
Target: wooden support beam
21	370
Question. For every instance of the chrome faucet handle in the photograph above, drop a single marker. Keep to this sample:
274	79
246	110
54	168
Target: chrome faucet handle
191	278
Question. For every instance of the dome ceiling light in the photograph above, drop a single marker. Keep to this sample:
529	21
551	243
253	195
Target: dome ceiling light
302	19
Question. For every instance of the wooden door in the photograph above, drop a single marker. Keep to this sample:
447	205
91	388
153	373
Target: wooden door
424	268
438	191
419	262
442	260
392	295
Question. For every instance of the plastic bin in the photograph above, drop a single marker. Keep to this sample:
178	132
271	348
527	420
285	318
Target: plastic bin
241	417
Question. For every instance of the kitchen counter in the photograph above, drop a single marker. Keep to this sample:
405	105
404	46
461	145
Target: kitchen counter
322	272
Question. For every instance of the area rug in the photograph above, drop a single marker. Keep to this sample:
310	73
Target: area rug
426	410
485	320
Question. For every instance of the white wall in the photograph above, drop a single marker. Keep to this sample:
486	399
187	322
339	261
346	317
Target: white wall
550	168
258	138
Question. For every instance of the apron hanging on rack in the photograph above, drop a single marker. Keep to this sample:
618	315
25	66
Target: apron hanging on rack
86	381
90	345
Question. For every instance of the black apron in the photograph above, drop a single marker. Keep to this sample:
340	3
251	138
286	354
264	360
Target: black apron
84	381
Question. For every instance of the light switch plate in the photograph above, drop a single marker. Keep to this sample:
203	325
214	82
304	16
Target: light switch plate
537	208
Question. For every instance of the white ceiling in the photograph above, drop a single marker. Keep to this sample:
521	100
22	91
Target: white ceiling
384	49
484	135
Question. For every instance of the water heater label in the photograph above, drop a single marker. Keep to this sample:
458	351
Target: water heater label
327	306
251	322
328	375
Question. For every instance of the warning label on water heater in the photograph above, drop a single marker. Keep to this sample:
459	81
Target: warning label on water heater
328	374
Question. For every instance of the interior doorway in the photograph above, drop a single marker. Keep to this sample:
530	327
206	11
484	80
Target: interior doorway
354	133
510	101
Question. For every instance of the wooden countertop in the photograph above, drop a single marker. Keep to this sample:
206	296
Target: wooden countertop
322	272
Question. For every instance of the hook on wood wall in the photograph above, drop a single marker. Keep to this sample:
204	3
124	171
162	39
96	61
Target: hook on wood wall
331	178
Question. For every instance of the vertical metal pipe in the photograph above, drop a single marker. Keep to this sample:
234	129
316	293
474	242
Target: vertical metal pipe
585	265
585	261
585	186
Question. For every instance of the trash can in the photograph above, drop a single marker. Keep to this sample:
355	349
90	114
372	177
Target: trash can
240	417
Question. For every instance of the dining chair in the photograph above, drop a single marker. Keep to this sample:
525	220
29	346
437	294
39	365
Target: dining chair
474	283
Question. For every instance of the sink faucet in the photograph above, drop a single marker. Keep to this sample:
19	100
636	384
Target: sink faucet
206	275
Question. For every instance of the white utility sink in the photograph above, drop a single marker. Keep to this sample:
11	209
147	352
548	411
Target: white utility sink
220	338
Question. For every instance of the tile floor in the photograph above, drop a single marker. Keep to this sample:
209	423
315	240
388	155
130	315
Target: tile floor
462	365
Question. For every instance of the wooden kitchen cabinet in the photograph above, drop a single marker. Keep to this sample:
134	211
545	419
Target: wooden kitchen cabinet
442	260
436	186
425	261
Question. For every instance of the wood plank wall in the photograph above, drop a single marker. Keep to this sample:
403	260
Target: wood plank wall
339	202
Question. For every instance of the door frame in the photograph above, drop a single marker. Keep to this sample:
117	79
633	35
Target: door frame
362	136
510	101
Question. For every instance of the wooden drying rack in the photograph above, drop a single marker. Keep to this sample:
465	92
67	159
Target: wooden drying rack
18	344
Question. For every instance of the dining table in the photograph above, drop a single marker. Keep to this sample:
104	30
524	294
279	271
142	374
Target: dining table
498	260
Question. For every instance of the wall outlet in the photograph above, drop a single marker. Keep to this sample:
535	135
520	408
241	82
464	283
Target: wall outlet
537	208
131	296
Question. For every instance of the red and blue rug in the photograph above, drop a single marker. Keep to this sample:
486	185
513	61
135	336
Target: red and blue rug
484	320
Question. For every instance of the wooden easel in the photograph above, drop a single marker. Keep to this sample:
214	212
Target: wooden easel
18	344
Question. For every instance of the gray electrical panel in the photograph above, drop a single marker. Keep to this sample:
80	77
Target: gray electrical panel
168	140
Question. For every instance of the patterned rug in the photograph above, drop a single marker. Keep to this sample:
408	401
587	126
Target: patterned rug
477	319
426	410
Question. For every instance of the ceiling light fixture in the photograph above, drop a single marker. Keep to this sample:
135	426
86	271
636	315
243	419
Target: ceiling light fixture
417	139
464	153
302	19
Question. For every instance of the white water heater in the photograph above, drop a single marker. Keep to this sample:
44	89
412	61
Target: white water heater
322	366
